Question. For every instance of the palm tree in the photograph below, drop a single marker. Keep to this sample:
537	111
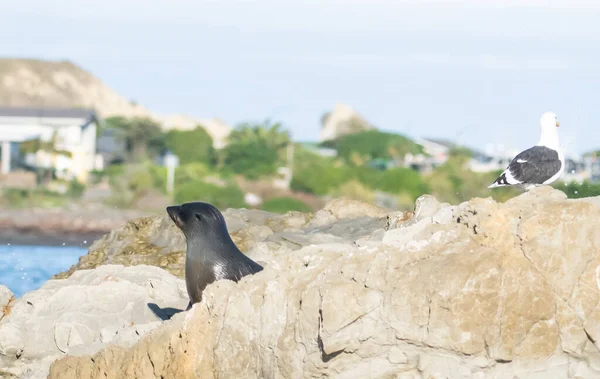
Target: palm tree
268	133
256	149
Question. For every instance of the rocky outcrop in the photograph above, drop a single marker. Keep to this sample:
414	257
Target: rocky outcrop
156	241
478	290
6	297
148	240
92	308
341	121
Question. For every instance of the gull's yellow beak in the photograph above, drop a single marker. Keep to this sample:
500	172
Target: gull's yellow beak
557	124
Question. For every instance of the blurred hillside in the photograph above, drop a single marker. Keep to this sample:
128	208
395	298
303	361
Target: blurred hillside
62	84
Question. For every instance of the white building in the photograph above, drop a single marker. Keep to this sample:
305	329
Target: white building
71	133
581	169
437	149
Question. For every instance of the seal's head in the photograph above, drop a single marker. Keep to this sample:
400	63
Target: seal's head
198	219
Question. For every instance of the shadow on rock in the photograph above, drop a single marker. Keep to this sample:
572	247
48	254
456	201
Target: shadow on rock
163	313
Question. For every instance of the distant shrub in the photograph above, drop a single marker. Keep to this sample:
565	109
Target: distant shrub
355	190
76	189
229	196
140	181
191	145
321	176
359	148
96	176
24	198
191	171
405	201
318	175
285	204
14	197
159	177
137	178
143	137
320	180
131	181
453	183
115	170
395	181
575	190
253	161
256	150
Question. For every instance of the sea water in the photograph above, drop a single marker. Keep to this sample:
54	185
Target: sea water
25	268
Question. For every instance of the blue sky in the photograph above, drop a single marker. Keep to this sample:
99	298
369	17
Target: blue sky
474	71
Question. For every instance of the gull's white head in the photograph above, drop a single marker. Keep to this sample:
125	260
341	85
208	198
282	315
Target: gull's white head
549	121
549	125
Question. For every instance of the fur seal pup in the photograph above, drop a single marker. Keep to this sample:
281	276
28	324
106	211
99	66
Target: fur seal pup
211	254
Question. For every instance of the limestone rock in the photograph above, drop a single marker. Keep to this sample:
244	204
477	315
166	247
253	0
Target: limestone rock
341	121
477	290
347	208
156	241
150	240
79	315
5	295
6	298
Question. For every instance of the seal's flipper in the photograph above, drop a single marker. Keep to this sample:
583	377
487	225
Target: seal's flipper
189	306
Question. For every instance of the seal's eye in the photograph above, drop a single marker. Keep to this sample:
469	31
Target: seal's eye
198	217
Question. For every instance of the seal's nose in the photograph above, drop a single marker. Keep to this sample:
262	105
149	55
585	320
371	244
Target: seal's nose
173	212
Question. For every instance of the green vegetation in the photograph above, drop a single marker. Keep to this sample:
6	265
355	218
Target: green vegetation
229	196
396	181
132	181
75	189
360	148
143	137
576	190
452	183
285	204
322	176
355	190
317	175
191	146
39	197
191	171
256	150
35	145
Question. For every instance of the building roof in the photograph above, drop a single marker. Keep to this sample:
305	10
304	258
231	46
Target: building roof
47	112
442	142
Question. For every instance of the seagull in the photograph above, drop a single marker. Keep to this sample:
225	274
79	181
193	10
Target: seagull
541	164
